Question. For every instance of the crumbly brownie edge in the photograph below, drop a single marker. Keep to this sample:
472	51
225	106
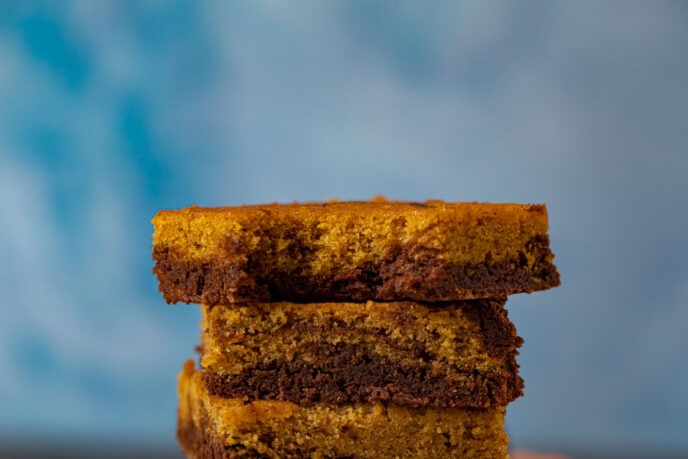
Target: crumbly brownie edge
498	333
200	442
401	275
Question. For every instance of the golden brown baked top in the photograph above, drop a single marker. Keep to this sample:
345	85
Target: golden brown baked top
349	234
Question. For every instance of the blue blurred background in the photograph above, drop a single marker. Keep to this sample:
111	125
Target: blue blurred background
112	110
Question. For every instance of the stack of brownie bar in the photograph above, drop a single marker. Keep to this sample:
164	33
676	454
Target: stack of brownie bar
351	329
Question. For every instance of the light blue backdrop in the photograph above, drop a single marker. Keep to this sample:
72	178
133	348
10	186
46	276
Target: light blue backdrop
111	110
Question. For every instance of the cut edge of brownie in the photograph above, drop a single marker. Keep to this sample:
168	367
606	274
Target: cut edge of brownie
401	275
212	427
305	384
342	372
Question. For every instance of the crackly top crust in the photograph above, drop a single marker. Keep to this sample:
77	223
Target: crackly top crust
276	251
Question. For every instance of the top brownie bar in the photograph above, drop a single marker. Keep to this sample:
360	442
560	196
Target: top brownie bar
377	250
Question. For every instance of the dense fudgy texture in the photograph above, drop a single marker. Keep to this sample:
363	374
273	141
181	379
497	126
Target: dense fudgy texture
391	251
344	377
396	277
458	354
214	427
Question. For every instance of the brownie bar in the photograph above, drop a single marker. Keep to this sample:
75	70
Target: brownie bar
389	251
215	427
460	354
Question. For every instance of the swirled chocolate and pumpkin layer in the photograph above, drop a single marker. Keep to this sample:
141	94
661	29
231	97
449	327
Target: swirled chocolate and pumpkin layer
352	251
458	354
215	427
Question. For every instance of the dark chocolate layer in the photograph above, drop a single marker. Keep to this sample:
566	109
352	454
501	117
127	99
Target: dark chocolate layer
347	374
403	274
